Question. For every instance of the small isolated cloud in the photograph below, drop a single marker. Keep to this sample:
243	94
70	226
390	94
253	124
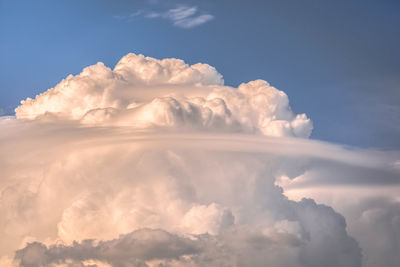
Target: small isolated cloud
187	17
180	13
182	16
193	21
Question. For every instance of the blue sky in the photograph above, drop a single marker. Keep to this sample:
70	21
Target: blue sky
337	60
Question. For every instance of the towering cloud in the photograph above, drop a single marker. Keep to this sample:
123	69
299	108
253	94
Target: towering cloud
145	92
157	163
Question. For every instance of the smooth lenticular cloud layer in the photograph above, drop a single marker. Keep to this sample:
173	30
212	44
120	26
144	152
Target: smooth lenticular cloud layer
157	163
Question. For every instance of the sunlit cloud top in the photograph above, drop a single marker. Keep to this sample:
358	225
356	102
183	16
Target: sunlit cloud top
147	92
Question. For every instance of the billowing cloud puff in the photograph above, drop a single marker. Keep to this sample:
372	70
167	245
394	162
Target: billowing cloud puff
372	215
157	163
146	92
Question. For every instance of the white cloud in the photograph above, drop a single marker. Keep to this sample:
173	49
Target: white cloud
147	92
159	162
187	17
181	16
181	13
193	21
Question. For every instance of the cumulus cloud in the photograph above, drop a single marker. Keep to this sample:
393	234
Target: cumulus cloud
145	92
280	245
158	163
372	214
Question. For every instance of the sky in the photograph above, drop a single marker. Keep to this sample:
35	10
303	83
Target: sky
337	60
199	133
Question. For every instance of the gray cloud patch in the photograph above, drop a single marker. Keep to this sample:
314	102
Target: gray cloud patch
308	235
136	247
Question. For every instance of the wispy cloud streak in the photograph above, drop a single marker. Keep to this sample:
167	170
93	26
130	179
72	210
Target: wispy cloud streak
181	16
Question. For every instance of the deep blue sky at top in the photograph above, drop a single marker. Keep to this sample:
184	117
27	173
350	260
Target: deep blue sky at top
339	61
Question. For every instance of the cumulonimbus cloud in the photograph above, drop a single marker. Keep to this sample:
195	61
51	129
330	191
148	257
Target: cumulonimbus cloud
158	163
